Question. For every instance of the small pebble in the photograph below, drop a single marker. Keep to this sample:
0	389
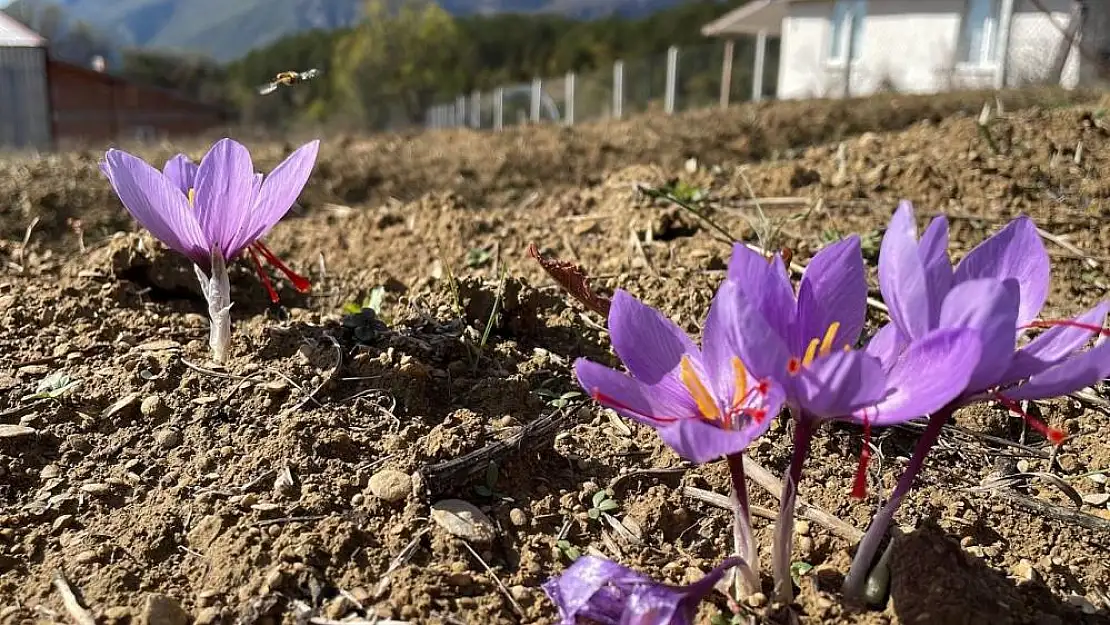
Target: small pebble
1023	466
518	517
801	528
1024	571
1097	500
756	600
390	485
464	520
167	438
208	616
117	613
152	406
162	610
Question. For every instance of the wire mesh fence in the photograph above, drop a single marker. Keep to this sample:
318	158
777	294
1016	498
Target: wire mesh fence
1031	46
670	81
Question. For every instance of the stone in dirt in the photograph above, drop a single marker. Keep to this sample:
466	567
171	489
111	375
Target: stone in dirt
163	610
15	431
390	485
463	520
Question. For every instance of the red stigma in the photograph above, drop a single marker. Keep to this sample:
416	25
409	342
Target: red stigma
262	275
1054	323
299	282
793	366
758	414
1054	435
609	402
859	485
763	388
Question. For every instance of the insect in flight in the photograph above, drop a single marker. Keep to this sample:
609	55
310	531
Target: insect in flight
288	79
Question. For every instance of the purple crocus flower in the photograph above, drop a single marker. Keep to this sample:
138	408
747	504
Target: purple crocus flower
213	212
704	403
998	290
804	343
596	590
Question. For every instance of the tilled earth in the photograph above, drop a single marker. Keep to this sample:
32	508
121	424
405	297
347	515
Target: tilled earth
303	481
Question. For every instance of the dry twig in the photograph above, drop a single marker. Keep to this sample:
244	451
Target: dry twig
497	580
77	612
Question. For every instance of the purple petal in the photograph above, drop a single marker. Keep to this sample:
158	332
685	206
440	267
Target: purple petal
648	343
839	384
700	441
766	283
719	344
224	192
1016	252
759	346
279	191
156	204
582	582
654	405
182	172
1080	371
902	277
887	345
933	252
1054	345
931	373
989	306
836	276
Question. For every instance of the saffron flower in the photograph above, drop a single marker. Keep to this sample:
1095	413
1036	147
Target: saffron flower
998	290
596	590
211	213
703	403
804	342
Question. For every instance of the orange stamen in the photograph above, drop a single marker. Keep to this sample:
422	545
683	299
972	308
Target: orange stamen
702	397
299	282
1054	435
859	486
740	376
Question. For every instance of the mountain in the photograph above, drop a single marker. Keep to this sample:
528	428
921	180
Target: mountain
227	29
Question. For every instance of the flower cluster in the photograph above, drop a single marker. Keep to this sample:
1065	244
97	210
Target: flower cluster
957	336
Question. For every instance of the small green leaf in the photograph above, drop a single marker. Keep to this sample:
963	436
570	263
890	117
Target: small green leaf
799	569
374	301
594	513
483	491
599	497
608	505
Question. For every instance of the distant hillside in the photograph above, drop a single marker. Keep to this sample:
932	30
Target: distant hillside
228	29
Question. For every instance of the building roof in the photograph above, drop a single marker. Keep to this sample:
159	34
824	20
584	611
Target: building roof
749	19
16	35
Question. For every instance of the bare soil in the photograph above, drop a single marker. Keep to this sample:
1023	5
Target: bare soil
298	481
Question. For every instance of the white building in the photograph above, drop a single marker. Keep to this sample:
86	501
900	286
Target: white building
857	47
24	95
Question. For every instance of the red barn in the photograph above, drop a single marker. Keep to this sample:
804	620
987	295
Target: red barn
95	106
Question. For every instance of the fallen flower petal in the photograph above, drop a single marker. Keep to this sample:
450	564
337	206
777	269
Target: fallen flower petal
600	591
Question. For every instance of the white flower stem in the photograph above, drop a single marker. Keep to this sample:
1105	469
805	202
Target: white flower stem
217	292
784	525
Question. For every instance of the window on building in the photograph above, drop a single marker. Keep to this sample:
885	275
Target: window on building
979	33
846	27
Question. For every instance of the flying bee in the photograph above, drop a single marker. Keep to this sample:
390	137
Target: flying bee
288	79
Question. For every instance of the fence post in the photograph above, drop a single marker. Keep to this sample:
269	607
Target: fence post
618	89
849	52
498	108
537	94
568	86
476	109
760	61
726	72
672	80
460	110
1005	17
